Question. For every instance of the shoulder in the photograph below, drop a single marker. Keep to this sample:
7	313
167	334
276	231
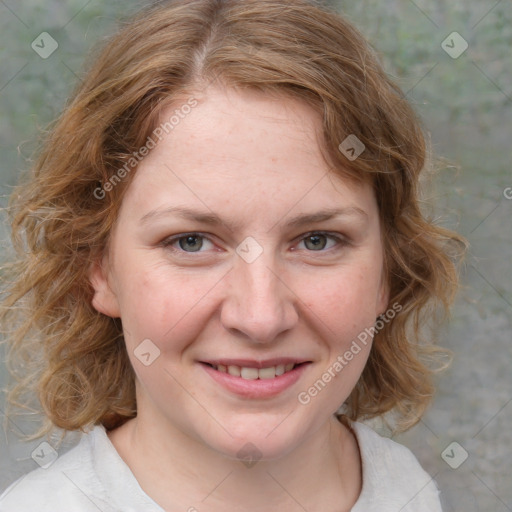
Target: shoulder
69	482
392	476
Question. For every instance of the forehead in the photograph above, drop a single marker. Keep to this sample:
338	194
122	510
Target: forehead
239	125
242	148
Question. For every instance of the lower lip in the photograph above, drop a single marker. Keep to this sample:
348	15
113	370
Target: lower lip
257	388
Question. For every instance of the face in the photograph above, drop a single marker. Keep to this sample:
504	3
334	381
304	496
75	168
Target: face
243	270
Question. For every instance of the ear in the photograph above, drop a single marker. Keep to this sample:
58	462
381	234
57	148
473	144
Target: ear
104	299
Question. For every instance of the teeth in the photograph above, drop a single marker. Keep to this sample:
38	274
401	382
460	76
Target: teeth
249	373
255	373
234	370
267	373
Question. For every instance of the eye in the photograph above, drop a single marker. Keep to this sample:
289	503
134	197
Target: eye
317	241
198	243
189	242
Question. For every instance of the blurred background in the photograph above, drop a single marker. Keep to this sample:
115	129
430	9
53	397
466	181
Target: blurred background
452	60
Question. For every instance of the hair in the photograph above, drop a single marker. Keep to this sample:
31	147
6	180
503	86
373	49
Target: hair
71	358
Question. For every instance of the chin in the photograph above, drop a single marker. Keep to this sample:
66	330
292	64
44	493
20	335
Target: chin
266	439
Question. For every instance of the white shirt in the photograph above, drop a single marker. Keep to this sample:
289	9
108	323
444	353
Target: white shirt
92	477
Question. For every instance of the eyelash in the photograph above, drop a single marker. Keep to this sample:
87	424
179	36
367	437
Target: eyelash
340	241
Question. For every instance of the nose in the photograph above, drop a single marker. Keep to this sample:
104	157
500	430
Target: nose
259	305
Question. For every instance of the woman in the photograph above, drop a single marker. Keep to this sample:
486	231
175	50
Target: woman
226	266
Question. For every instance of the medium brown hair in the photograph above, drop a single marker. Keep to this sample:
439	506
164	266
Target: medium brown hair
73	357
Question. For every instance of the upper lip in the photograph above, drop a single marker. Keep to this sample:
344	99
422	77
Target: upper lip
253	363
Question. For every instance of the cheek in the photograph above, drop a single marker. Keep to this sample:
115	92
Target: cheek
155	300
344	300
344	306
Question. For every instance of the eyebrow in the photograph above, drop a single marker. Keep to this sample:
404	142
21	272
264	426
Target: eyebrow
213	219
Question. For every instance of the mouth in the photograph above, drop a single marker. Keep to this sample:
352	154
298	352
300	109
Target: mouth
256	379
254	373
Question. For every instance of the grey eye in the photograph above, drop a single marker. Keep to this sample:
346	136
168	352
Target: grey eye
317	242
192	242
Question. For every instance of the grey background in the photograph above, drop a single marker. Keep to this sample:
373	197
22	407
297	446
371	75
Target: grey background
466	105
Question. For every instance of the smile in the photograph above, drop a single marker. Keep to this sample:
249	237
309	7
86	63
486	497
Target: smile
250	373
256	380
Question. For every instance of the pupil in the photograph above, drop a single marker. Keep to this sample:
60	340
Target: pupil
191	242
318	241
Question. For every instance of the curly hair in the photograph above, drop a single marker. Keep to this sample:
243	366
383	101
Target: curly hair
72	358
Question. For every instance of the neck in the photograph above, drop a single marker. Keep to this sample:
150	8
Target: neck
181	473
